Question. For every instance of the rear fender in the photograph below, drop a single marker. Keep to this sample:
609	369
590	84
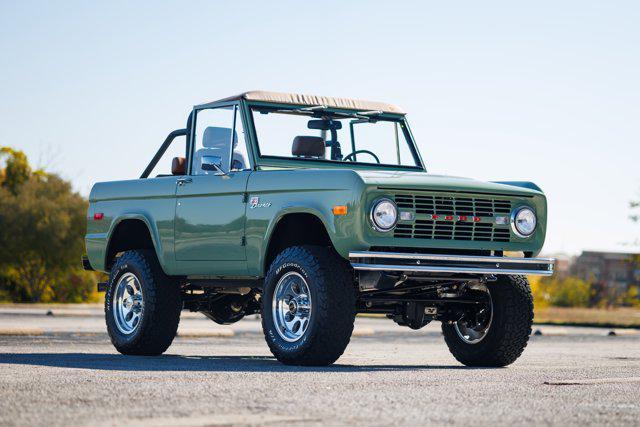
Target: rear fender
151	227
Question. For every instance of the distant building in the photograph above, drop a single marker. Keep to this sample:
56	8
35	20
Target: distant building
615	271
564	262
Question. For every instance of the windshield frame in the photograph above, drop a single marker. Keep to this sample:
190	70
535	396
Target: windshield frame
269	161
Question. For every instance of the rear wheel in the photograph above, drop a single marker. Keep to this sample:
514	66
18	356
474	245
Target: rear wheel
498	333
308	306
142	305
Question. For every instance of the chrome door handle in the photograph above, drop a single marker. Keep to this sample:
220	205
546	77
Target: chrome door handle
183	181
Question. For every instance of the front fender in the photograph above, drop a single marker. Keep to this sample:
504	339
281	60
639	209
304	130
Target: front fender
258	242
317	211
284	192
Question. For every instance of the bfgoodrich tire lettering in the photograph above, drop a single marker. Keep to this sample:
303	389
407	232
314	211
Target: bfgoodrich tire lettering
162	305
332	292
510	327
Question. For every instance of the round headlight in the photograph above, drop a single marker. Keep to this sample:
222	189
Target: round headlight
384	215
523	222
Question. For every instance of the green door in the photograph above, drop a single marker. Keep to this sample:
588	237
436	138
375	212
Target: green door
210	218
210	206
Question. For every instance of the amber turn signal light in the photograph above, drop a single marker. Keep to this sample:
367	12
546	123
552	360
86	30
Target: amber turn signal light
339	210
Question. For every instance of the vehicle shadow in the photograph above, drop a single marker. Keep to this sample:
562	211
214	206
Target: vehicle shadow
116	362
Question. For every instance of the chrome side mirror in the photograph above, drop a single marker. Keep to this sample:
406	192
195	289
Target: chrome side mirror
212	163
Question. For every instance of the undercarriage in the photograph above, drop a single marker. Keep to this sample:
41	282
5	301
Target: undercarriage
415	301
415	289
410	289
223	305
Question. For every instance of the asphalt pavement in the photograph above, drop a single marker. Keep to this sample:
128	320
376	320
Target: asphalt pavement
60	369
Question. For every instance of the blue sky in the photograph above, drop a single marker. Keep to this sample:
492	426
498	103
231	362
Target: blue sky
545	91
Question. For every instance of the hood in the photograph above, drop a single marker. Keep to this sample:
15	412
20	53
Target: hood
425	181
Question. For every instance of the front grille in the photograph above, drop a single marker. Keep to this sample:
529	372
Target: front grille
450	205
427	205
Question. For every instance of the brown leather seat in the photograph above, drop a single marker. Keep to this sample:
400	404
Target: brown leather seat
179	166
308	146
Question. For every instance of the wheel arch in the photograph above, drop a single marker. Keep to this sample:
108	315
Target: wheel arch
131	231
291	228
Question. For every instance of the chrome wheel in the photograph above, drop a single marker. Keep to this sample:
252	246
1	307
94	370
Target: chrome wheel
128	304
472	331
291	306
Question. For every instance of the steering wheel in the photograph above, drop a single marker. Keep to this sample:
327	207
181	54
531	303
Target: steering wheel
348	158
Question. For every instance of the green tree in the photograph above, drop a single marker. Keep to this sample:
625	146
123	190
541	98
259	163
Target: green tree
42	223
571	292
16	171
567	292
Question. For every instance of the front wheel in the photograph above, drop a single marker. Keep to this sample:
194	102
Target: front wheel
308	306
498	333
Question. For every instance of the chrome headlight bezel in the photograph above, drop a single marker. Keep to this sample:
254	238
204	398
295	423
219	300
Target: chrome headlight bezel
372	216
514	221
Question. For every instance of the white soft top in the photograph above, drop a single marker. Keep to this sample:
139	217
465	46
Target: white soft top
313	100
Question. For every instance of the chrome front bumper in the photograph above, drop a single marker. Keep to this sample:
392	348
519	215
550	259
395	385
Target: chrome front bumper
456	264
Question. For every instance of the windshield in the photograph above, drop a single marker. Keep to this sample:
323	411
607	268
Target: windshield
315	133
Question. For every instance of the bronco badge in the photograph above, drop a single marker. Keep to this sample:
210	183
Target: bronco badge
255	203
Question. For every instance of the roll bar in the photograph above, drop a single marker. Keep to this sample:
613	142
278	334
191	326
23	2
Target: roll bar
173	135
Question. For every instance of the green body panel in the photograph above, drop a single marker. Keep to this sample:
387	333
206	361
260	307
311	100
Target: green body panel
424	181
210	218
214	226
149	200
210	224
310	191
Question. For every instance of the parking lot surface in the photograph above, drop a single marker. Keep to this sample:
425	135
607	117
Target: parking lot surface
65	372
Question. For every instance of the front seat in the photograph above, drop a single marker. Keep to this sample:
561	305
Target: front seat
239	160
215	142
308	147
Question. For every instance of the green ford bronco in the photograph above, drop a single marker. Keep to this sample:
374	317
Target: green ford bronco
308	210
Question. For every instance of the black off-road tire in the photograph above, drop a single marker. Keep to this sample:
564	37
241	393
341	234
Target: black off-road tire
162	305
510	326
331	285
